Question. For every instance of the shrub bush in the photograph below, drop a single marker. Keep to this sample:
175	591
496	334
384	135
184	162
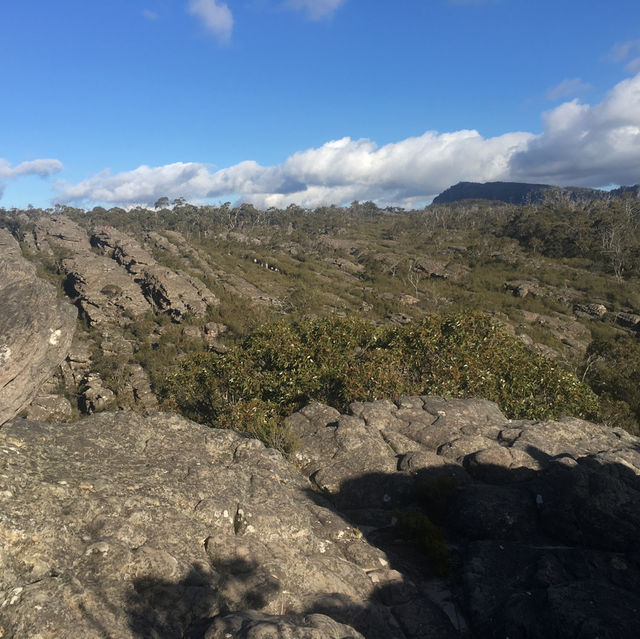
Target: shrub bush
283	366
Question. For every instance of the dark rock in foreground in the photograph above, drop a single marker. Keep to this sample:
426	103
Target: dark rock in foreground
36	329
542	522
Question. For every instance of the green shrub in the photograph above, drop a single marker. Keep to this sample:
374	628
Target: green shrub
283	366
612	369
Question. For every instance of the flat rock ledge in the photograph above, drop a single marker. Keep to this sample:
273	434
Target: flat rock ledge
126	526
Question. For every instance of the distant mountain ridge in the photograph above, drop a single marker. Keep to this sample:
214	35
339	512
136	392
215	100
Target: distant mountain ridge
524	193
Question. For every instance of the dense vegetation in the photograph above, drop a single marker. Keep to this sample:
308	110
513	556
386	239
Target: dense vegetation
372	302
281	367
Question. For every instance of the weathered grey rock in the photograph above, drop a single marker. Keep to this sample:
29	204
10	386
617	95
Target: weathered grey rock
516	590
253	625
522	288
36	329
104	291
630	321
49	408
58	233
124	526
567	491
592	311
439	269
173	292
96	396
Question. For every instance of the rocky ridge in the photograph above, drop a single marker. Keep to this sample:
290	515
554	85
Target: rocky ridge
523	193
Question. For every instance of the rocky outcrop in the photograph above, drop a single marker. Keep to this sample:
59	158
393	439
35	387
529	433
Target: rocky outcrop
103	290
174	292
440	269
541	519
125	526
36	329
59	233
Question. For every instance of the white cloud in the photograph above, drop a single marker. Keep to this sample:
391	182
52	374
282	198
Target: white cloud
150	15
42	168
568	88
627	52
315	9
633	65
215	16
621	51
587	145
580	145
338	171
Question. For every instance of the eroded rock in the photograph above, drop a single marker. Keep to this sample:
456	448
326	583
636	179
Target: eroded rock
36	329
161	527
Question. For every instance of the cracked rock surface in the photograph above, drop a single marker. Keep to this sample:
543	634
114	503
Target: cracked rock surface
126	526
541	518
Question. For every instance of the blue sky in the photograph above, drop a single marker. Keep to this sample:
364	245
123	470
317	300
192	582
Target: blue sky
312	101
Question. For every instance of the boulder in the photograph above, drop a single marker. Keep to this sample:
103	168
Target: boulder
36	329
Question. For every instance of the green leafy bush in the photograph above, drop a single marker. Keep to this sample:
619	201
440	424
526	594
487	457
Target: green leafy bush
612	369
283	366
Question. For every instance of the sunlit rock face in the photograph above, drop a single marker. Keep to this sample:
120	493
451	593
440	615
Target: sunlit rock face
36	329
130	525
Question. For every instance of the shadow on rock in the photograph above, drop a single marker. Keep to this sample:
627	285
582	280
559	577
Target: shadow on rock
552	552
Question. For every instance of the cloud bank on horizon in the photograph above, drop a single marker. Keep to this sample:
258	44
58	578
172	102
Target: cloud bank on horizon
580	145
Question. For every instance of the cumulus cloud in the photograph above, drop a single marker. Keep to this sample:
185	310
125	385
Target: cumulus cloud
216	17
42	168
580	145
587	145
315	9
568	88
338	171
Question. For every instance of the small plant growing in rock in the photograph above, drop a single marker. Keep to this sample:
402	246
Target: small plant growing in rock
419	530
435	496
